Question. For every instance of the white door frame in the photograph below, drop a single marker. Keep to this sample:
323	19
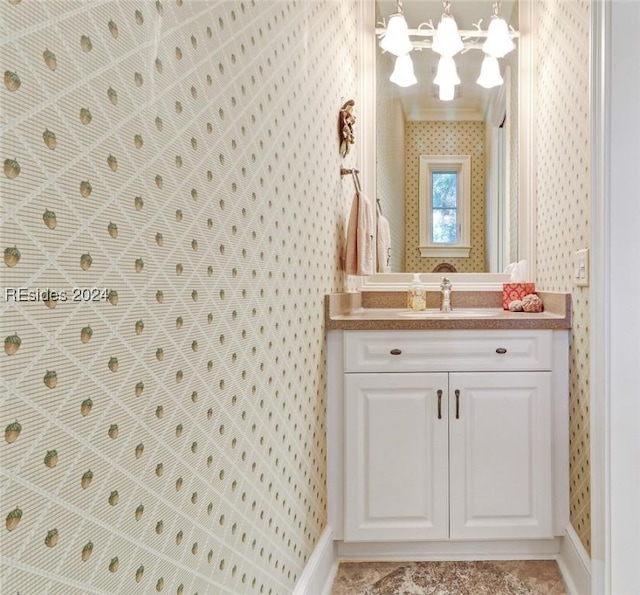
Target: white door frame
615	283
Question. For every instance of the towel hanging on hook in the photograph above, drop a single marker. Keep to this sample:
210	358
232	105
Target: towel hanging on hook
358	254
354	175
356	180
383	241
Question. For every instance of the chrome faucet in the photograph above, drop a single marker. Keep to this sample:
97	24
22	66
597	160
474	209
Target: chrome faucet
445	289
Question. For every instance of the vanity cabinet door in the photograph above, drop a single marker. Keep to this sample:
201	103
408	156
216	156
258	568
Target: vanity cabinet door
500	453
396	463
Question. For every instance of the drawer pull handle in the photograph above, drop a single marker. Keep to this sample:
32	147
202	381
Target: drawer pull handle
439	404
501	350
457	404
395	351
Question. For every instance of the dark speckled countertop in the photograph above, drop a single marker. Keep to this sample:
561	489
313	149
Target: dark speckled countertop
384	311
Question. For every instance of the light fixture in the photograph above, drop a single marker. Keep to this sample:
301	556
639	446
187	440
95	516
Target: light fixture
403	74
498	43
447	41
490	73
447	74
396	38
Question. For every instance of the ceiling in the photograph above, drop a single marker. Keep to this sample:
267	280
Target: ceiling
421	99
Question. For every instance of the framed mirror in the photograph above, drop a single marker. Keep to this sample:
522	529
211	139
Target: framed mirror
492	127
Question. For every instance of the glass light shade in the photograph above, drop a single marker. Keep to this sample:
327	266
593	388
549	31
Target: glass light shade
446	41
490	73
403	75
498	43
447	74
396	40
446	92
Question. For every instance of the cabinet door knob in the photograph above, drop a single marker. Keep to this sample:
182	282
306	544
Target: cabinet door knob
395	351
457	404
439	404
501	350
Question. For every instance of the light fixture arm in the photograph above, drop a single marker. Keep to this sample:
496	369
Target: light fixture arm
429	31
398	9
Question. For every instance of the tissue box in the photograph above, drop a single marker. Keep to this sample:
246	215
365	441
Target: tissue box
515	291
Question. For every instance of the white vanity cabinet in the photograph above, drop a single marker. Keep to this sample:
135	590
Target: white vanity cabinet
396	457
447	435
500	465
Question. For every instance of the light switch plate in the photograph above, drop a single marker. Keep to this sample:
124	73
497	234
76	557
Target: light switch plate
581	268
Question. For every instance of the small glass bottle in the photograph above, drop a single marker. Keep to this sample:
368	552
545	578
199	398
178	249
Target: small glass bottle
416	295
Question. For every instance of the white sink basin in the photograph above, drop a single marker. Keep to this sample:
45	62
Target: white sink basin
461	313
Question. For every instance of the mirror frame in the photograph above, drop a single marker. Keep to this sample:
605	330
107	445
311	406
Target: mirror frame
526	158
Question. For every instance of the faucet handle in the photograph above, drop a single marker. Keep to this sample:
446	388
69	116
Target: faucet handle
445	287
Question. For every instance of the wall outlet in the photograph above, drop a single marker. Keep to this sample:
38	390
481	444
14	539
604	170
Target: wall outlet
581	268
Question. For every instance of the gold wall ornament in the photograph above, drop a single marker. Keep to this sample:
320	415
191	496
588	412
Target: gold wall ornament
345	127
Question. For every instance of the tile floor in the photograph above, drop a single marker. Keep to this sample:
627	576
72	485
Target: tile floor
513	577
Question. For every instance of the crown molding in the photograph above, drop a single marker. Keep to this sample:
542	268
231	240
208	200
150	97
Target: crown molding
446	114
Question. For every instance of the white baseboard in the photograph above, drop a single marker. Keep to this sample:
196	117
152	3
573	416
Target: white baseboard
320	571
321	568
575	564
429	551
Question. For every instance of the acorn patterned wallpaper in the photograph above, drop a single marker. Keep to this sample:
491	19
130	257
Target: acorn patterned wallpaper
562	191
445	138
163	425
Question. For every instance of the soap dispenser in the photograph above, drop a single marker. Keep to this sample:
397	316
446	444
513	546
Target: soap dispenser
416	295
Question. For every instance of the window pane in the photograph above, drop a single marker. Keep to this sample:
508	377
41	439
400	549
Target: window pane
444	189
445	226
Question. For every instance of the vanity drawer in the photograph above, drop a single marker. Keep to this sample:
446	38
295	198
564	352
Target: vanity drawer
450	350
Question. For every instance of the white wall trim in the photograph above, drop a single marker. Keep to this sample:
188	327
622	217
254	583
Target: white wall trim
444	114
428	551
575	564
321	568
366	125
622	440
599	347
527	245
